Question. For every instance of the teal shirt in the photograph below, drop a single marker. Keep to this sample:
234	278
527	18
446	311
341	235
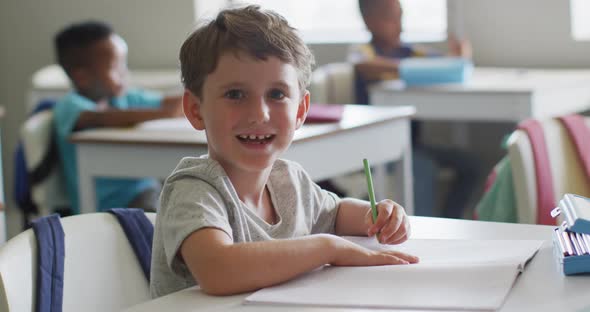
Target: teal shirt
110	193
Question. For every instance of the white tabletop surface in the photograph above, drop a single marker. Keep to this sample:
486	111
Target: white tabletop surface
380	134
541	287
493	94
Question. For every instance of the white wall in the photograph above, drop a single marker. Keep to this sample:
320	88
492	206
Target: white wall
527	33
153	29
516	33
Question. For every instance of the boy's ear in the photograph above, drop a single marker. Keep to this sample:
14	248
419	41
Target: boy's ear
191	105
302	109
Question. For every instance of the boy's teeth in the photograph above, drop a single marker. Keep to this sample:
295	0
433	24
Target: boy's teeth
254	137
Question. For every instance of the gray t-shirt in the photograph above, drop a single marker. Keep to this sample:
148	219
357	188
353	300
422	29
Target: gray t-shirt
199	194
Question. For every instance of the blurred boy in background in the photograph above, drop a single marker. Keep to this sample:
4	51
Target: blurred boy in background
379	60
95	60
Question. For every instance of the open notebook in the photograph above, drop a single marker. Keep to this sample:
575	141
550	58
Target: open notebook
451	275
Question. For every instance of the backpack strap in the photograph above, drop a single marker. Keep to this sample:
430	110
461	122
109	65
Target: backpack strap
140	233
544	178
580	135
46	166
50	260
22	188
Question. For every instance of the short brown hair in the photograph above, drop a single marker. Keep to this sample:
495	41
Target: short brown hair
260	33
368	7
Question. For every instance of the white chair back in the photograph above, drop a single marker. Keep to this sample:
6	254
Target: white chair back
333	84
17	273
101	271
37	134
566	168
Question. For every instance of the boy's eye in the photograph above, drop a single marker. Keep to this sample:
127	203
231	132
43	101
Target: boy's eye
276	94
234	94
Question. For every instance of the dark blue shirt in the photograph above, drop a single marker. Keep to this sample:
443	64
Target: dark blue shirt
403	51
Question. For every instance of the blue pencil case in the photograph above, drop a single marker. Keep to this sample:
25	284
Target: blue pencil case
571	241
420	71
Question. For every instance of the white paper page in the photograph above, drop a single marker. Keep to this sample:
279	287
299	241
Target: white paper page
474	287
458	251
452	275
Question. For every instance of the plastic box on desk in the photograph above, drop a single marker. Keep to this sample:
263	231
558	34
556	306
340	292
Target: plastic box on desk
569	264
436	70
576	212
571	241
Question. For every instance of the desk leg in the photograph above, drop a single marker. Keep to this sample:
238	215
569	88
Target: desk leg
381	183
86	188
401	189
460	134
404	180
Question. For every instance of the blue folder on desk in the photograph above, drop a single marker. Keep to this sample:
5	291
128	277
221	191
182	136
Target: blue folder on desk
571	240
440	70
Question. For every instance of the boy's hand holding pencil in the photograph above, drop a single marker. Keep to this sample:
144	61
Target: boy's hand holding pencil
392	225
387	219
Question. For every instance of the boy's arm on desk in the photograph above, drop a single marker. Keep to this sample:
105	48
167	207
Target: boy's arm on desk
173	104
377	68
222	267
170	107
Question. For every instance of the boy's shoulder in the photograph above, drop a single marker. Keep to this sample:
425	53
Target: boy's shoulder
70	105
201	167
288	169
206	166
74	98
208	170
360	52
285	165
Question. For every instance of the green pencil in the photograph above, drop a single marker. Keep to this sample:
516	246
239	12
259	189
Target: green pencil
371	189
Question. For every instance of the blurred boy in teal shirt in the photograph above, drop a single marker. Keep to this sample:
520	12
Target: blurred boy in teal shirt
95	60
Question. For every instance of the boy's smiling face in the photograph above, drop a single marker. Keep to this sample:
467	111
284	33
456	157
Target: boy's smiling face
250	109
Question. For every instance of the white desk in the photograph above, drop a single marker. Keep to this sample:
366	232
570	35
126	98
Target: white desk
380	134
51	82
492	95
540	288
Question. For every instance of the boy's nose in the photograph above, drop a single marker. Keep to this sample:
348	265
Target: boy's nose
258	111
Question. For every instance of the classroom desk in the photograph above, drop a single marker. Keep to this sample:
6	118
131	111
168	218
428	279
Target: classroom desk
380	134
540	288
51	82
492	95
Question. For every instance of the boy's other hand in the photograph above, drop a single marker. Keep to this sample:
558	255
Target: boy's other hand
460	48
347	253
392	223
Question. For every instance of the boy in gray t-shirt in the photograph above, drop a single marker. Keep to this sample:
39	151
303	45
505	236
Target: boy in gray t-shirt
240	218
